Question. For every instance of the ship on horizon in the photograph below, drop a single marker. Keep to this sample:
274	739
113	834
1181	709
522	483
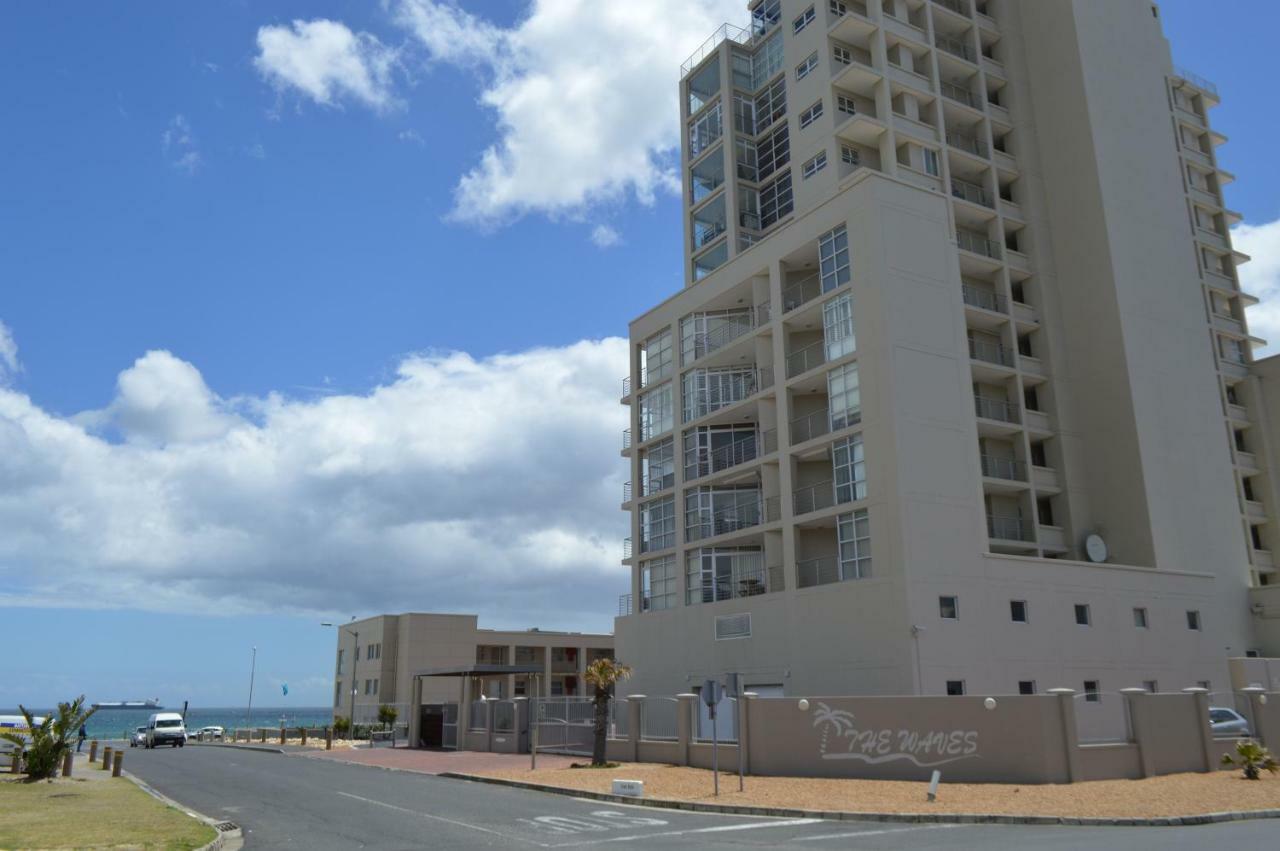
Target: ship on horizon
154	703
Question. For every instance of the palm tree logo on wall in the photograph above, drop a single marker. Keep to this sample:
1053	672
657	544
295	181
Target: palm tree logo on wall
838	719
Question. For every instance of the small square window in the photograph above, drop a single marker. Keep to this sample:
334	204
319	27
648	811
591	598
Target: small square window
1018	611
1140	617
814	165
1091	692
1026	686
948	608
1082	614
1193	619
802	20
811	114
955	688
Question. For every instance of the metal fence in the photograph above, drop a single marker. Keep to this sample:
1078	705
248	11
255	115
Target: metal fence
658	718
564	724
478	717
619	718
504	715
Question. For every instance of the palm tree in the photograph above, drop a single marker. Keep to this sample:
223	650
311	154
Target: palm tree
47	741
603	674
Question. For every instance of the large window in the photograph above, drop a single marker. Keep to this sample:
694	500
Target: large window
810	115
844	397
655	358
658	584
658	525
704	85
853	534
770	105
706	177
765	15
833	258
707	390
710	260
837	327
849	468
656	413
658	467
723	573
708	222
775	200
711	511
772	153
766	61
708	449
705	131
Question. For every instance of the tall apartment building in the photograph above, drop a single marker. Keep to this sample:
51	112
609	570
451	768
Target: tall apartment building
957	396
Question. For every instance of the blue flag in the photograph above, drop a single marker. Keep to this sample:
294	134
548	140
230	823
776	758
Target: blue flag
285	688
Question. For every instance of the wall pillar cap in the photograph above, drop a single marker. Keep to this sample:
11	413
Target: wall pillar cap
519	697
637	696
1195	690
1061	691
750	695
688	694
1254	690
1134	690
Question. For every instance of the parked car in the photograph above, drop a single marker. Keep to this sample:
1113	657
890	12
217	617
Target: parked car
166	728
1227	722
139	737
213	733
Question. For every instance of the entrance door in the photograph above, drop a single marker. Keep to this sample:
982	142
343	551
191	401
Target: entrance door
431	726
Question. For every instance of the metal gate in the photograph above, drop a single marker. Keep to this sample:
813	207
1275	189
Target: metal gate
564	724
449	730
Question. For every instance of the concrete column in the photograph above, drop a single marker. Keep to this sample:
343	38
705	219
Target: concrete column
1141	735
635	703
1070	738
685	704
748	704
1264	730
1206	731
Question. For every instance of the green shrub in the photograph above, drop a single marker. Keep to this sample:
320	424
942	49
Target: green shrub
47	741
1253	758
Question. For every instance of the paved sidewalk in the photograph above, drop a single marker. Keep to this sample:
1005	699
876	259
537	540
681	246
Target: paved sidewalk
439	762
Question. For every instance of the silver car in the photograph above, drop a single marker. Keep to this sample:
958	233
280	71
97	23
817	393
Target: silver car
139	737
1227	722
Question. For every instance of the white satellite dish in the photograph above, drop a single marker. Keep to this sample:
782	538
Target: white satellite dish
1095	548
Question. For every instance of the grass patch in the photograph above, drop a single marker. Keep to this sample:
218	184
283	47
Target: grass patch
93	814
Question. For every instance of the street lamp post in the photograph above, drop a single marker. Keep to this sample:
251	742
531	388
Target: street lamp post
355	683
253	669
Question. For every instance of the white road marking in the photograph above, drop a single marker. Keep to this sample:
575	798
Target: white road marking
439	818
755	825
874	832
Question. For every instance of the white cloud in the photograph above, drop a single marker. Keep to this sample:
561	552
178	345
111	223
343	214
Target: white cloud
178	144
411	136
327	62
9	364
256	151
585	96
485	485
605	236
1261	277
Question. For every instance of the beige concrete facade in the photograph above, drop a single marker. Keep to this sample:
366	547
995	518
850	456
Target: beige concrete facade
988	323
391	649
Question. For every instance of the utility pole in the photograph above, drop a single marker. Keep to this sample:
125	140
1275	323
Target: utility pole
253	669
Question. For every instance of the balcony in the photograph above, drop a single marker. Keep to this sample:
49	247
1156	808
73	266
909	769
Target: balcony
957	6
1255	510
727	328
977	243
817	497
960	95
994	409
821	571
624	605
1262	560
975	297
971	192
626	548
1199	82
708	462
723	390
989	352
742	580
626	492
626	438
968	144
955	47
740	514
801	292
807	358
1003	468
1006	528
810	426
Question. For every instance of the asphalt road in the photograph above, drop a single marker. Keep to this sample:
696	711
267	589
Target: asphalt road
297	802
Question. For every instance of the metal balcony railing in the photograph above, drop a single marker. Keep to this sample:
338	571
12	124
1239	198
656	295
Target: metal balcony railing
954	5
705	462
725	32
817	497
650	543
971	192
729	328
626	386
954	46
626	438
805	359
997	353
801	292
983	299
626	491
810	426
741	581
626	548
1197	81
994	409
840	8
822	571
977	243
956	93
1004	468
965	142
649	485
743	514
1005	528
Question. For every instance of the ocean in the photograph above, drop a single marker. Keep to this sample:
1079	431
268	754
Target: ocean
116	723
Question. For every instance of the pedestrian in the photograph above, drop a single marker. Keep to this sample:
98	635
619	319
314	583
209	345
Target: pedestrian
80	738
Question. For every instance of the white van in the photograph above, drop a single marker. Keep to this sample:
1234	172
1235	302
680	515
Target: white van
166	728
16	724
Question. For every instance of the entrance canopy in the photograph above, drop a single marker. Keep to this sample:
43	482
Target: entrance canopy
480	670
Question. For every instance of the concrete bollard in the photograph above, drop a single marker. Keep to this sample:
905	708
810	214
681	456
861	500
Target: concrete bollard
262	737
106	757
117	762
282	735
328	738
93	751
302	733
66	764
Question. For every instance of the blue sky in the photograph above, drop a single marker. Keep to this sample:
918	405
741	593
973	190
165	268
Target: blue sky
299	248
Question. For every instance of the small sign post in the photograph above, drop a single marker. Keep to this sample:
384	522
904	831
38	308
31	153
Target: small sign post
711	694
735	688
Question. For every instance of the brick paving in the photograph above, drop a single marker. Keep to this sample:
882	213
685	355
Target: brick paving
438	762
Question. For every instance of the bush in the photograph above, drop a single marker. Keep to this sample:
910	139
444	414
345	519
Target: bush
387	715
47	741
341	726
1253	758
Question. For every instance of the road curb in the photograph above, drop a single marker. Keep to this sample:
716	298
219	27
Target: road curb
225	838
239	747
907	818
